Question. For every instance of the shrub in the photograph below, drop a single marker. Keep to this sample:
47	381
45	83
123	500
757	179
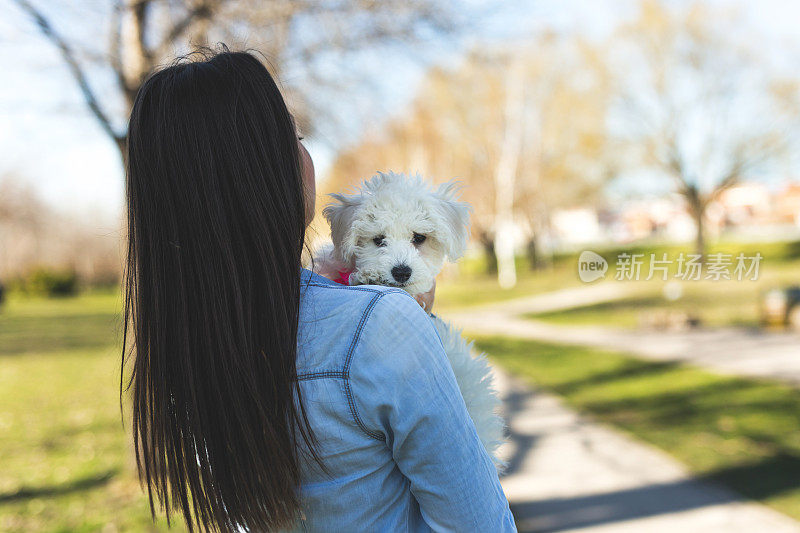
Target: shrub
48	282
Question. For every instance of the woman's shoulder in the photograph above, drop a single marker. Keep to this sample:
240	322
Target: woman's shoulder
399	312
400	366
334	319
319	291
398	338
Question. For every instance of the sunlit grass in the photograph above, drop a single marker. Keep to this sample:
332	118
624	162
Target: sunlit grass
45	325
738	432
472	286
715	303
711	304
67	463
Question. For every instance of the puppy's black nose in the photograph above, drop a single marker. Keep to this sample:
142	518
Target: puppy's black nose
401	273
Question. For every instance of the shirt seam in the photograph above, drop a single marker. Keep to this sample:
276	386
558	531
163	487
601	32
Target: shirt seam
321	374
351	288
349	357
345	373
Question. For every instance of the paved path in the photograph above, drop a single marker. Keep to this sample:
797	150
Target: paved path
725	350
568	474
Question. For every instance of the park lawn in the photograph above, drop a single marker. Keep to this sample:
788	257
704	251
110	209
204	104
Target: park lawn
67	462
473	287
779	267
741	433
715	304
722	303
45	325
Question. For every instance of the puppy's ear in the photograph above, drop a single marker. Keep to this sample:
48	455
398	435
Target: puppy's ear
452	219
340	215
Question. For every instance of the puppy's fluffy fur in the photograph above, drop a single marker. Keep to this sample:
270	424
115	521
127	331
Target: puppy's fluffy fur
398	231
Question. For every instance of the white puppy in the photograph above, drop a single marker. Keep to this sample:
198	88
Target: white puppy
398	231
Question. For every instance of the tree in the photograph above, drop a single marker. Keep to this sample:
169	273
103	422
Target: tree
698	107
524	128
505	173
23	221
294	35
569	156
34	235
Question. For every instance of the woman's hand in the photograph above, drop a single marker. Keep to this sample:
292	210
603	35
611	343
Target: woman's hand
425	299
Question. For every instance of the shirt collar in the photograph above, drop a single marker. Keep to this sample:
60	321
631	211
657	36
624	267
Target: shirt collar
307	276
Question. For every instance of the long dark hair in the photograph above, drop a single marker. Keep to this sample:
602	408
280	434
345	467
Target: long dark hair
212	294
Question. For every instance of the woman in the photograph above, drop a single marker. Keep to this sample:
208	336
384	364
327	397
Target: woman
266	396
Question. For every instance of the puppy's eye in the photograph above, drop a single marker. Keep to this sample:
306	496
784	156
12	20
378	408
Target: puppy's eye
418	238
380	240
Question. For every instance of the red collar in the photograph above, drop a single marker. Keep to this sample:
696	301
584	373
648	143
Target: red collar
343	277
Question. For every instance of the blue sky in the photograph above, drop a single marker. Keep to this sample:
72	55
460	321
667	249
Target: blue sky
48	137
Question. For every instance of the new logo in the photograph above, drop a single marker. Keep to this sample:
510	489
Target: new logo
591	266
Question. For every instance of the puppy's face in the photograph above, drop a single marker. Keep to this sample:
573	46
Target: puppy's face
397	231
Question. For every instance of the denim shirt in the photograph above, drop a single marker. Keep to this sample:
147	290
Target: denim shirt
401	452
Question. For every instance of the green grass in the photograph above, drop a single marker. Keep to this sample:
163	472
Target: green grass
67	462
715	303
88	321
472	286
741	433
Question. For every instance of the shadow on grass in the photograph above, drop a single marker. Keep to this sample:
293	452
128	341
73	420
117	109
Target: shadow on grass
728	399
764	479
559	514
760	480
78	485
719	414
45	334
632	369
736	432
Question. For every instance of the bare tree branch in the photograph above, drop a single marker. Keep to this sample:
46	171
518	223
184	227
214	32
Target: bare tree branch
115	42
204	10
74	67
144	33
693	101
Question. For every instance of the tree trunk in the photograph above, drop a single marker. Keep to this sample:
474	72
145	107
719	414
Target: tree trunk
536	260
696	205
136	61
700	238
505	173
532	251
490	259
